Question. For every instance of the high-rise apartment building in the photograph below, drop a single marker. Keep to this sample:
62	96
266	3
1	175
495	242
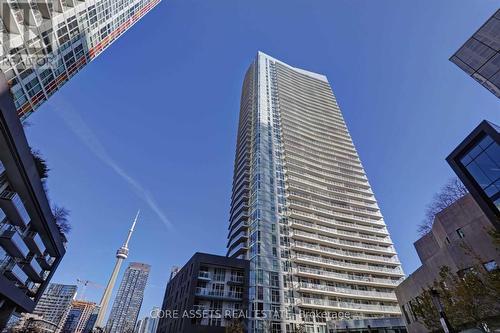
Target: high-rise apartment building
480	54
128	300
214	286
31	244
302	210
55	304
45	43
78	316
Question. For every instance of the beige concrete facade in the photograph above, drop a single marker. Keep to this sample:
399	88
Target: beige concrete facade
459	239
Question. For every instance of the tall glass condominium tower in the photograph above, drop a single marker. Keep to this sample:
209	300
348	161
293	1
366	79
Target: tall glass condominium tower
302	210
43	43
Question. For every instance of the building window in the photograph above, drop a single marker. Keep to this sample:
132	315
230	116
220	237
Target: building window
219	274
460	233
490	265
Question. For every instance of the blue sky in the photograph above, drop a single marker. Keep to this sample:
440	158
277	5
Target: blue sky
151	124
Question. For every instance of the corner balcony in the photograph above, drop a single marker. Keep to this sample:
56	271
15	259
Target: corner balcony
347	306
346	292
337	264
241	248
344	277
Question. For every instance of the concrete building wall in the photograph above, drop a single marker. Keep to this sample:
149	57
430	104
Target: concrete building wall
459	239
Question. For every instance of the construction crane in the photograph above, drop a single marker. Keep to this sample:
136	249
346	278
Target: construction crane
84	284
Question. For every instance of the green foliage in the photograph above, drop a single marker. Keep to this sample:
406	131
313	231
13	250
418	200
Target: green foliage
41	164
424	309
61	217
235	326
467	299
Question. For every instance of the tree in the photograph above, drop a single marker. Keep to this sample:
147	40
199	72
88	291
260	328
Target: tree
61	217
424	309
235	326
467	299
449	193
41	164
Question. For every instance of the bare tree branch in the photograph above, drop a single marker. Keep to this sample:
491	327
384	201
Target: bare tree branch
449	193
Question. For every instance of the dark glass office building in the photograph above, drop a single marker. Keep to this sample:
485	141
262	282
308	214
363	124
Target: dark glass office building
479	56
476	161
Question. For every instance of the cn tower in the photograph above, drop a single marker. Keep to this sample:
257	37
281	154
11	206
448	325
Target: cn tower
121	255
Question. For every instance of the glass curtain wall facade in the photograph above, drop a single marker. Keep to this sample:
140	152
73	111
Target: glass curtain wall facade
46	42
302	210
480	55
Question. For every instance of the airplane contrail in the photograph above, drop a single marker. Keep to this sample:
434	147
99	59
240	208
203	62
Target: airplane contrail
78	126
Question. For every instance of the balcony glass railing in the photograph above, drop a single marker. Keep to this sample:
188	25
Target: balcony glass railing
339	231
352	306
354	225
237	278
218	293
335	213
358	278
309	198
329	250
338	263
385	250
347	291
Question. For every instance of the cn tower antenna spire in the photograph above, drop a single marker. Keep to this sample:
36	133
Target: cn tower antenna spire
125	245
121	255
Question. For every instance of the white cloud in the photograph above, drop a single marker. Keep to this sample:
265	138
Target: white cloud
78	126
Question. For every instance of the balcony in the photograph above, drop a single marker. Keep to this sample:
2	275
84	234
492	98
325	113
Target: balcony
352	225
347	208
14	273
323	303
204	275
12	205
35	243
237	279
237	250
34	270
348	292
303	235
344	254
12	241
45	261
333	213
311	188
341	277
333	231
210	293
307	259
321	181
